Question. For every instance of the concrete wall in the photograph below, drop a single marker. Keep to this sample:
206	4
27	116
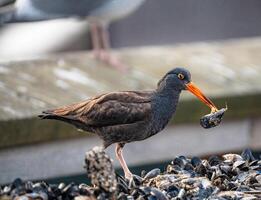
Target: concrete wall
160	22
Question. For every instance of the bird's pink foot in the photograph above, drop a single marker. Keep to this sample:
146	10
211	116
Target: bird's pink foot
127	174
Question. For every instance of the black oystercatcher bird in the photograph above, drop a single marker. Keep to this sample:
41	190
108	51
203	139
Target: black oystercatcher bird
123	117
100	13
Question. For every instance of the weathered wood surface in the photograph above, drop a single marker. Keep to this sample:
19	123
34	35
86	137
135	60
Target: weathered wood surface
224	70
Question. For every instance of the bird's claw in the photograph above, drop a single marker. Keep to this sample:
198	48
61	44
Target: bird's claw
128	176
134	181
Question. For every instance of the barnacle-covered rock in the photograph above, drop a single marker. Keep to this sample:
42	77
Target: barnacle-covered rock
100	170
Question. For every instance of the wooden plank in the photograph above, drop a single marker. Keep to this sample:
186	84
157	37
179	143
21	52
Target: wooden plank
228	71
34	130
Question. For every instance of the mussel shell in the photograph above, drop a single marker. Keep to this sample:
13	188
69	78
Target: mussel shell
247	155
152	174
213	119
195	161
158	194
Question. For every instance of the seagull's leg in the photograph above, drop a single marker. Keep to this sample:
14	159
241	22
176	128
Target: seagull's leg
95	39
118	151
101	45
112	60
105	37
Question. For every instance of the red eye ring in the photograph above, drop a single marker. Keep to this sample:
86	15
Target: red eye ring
181	76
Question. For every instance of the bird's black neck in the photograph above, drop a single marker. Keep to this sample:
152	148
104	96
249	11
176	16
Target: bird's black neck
164	105
166	99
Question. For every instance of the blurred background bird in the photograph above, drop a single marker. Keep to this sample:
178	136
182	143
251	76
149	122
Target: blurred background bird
99	13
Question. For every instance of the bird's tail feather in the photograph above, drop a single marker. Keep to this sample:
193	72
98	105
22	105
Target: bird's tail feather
50	115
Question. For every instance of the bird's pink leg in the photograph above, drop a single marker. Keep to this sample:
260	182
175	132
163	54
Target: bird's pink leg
118	151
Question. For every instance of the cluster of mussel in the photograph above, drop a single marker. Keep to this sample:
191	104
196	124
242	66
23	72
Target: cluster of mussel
231	176
27	190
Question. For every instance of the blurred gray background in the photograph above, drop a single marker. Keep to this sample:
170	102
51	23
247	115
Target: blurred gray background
154	23
168	21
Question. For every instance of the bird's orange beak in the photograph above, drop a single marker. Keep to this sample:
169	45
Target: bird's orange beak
196	91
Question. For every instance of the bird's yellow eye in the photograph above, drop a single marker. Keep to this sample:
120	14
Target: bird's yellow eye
181	76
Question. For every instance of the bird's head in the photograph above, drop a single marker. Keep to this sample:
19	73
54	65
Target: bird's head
180	79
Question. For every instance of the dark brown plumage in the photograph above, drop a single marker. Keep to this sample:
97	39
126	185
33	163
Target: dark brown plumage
108	115
123	117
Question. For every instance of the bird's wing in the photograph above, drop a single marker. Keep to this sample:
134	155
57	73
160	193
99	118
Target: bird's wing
67	8
106	110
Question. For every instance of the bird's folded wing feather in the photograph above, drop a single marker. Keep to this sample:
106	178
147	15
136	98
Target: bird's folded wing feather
109	109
